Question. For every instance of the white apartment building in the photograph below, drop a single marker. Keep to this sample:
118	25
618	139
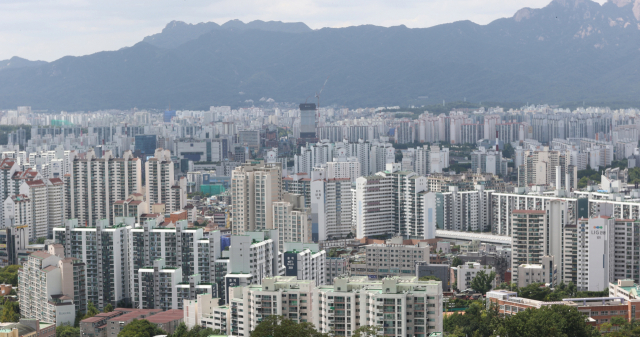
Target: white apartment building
46	288
503	204
305	261
461	210
281	295
11	178
393	259
254	189
606	252
374	206
466	272
205	311
407	189
544	272
96	183
341	168
161	186
331	207
399	306
292	220
47	205
157	286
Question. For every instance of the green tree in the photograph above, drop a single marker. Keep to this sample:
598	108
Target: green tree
555	320
10	312
196	331
483	282
429	278
535	291
140	328
40	240
91	311
67	331
508	151
9	275
456	262
278	326
108	308
583	182
367	331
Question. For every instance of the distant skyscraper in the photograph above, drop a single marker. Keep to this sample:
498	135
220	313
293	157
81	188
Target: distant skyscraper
308	120
147	145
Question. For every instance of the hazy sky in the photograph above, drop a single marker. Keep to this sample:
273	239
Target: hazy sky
49	29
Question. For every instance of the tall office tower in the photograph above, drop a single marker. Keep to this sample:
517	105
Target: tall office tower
161	186
399	306
305	261
51	288
331	212
45	210
406	190
374	206
308	121
606	251
292	219
254	188
97	183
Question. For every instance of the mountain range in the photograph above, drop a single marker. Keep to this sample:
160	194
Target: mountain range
568	51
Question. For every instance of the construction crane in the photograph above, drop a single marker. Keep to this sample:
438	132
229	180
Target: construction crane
318	94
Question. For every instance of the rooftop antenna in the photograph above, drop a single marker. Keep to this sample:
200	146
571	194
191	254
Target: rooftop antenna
318	94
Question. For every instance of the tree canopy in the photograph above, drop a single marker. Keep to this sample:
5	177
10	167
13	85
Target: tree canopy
9	275
429	278
483	282
278	326
196	331
141	328
10	312
67	331
91	311
556	320
108	308
456	262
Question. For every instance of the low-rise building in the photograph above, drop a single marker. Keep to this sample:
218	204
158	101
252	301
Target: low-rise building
468	271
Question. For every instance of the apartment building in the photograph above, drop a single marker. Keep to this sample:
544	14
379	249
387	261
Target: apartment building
161	186
305	261
606	252
462	210
255	187
47	289
466	272
11	179
97	183
392	260
298	183
530	236
335	266
406	189
132	207
488	161
114	254
374	206
331	208
399	306
545	272
206	311
563	210
292	219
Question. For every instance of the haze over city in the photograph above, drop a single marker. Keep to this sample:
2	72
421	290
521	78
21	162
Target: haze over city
320	168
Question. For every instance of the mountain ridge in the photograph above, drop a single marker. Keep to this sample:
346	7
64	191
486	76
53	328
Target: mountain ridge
569	50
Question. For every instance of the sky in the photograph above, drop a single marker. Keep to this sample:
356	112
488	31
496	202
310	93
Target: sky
50	29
